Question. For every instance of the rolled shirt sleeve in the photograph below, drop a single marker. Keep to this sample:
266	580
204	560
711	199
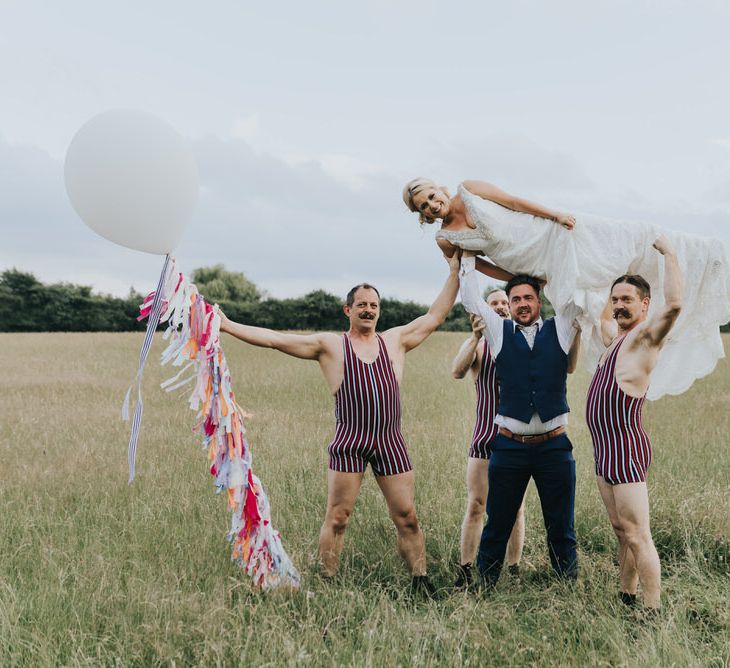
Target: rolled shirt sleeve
473	302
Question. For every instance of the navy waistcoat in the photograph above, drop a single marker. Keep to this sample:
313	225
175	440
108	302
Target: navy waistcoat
532	380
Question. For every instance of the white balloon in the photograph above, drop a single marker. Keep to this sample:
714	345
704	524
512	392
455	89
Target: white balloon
132	179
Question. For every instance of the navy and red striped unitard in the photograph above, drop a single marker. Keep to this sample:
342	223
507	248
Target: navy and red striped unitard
621	447
487	399
368	411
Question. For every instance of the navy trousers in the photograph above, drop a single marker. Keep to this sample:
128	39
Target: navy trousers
511	466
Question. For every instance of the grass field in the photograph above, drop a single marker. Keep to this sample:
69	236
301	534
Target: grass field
95	572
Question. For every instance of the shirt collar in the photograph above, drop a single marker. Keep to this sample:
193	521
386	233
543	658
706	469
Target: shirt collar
537	322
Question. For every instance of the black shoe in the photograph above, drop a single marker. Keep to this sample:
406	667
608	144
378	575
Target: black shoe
627	599
421	587
514	571
464	577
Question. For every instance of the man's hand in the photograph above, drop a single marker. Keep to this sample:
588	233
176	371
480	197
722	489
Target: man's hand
663	246
454	261
566	220
477	326
224	320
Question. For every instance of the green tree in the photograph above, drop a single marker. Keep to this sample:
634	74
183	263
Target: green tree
218	285
22	296
546	310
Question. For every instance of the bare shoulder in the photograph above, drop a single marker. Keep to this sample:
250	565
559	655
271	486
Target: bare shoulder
477	187
393	339
393	335
638	340
330	341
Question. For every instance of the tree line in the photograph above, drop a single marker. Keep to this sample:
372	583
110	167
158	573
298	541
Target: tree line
28	305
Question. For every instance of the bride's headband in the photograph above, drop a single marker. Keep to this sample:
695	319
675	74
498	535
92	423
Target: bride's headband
411	189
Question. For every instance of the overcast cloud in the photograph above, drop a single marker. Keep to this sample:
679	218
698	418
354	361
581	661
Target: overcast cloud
306	119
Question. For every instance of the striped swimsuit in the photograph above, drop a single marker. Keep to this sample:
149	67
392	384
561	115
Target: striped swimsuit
621	447
367	411
487	399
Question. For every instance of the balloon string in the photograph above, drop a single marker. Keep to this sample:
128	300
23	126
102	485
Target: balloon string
152	322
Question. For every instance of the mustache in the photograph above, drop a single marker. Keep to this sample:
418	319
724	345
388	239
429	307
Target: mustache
624	312
366	316
524	309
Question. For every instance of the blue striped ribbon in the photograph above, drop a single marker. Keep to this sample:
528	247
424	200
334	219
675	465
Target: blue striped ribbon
152	322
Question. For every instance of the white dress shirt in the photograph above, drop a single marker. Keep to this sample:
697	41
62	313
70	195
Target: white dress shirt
473	302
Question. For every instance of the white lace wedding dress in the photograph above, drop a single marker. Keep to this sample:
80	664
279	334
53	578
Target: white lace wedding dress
580	265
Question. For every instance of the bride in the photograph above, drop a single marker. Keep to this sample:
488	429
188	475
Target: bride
580	256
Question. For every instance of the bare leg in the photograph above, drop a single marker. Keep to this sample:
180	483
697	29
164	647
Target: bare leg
476	489
632	508
629	578
398	491
342	491
477	486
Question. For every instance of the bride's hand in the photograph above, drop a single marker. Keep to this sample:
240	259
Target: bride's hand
566	220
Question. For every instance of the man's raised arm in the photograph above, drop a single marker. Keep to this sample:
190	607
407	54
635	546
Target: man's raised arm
661	322
468	355
416	331
473	302
304	346
609	328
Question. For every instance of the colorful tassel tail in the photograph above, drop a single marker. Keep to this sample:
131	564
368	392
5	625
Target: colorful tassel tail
194	344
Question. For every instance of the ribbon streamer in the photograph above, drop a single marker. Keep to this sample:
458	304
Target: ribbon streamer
151	307
194	345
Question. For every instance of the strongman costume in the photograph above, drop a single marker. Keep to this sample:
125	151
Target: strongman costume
487	396
368	412
621	447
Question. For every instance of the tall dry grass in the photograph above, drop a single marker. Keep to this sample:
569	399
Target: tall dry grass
95	572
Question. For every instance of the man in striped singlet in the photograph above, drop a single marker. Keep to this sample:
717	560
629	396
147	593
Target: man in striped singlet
621	447
474	355
363	370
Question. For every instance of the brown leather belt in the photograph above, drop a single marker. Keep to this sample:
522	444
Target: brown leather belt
532	439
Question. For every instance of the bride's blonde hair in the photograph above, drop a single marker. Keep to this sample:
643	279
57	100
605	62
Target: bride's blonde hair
412	188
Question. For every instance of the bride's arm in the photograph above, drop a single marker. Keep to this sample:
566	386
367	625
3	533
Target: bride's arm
486	268
488	191
492	270
447	248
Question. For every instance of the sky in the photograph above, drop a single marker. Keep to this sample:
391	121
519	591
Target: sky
306	119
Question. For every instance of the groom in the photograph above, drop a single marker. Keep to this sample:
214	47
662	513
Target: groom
533	358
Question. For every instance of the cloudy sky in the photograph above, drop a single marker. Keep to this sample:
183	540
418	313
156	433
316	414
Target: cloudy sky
307	118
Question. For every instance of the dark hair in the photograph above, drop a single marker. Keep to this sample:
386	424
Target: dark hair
639	282
523	279
351	295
